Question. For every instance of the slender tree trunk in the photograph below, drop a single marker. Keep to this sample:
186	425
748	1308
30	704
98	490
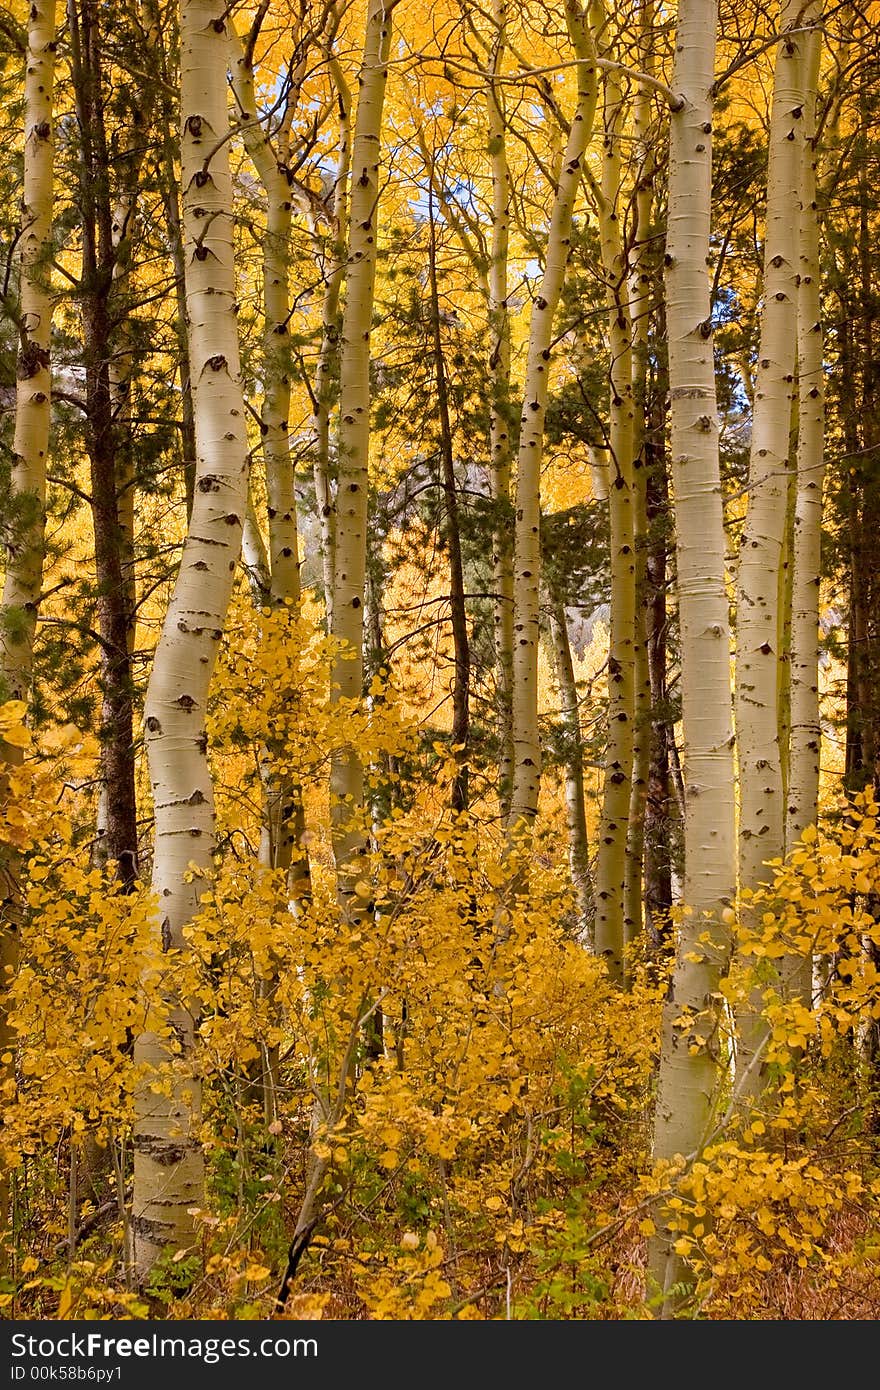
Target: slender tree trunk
23	579
806	734
168	1171
347	777
527	547
327	370
283	804
611	863
255	562
659	816
113	570
282	838
803	790
759	620
640	313
689	1062
500	417
575	806
458	615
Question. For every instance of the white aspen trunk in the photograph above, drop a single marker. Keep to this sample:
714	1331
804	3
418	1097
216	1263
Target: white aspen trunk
805	728
30	447
328	356
527	539
803	790
575	810
500	443
168	1168
689	1062
611	872
283	537
347	775
759	621
284	817
23	580
255	557
640	311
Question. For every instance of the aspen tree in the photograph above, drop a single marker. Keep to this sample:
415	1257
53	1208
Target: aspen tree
689	1064
328	356
274	570
460	729
575	808
758	616
271	168
640	314
23	580
492	281
107	199
284	817
803	788
661	815
611	872
527	546
500	442
24	561
168	1168
347	776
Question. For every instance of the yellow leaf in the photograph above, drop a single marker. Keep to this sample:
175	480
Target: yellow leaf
65	1301
18	736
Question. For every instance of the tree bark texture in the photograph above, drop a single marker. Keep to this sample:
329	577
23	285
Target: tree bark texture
168	1172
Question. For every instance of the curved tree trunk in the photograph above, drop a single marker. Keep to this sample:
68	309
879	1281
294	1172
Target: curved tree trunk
168	1170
